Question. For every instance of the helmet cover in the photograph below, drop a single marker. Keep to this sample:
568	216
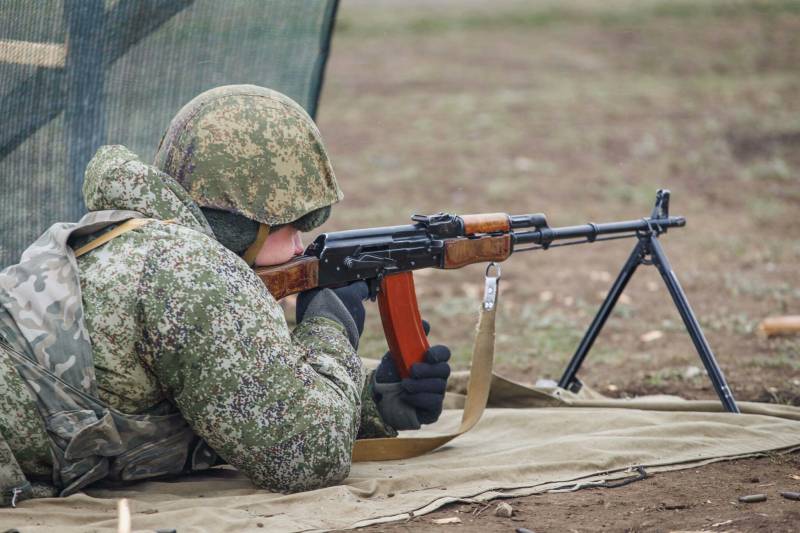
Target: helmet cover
251	151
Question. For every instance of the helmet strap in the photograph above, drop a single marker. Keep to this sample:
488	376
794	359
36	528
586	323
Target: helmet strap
251	253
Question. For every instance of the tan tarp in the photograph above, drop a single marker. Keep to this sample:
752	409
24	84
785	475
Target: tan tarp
516	450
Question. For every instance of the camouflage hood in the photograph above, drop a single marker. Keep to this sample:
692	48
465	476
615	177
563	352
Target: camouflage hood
250	151
117	180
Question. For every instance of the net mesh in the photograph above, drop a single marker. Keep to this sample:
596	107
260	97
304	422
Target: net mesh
77	74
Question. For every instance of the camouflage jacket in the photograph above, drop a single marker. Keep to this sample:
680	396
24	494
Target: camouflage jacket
168	342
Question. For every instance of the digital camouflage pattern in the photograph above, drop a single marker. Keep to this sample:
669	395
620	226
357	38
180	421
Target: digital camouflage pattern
46	341
187	348
13	483
21	427
251	151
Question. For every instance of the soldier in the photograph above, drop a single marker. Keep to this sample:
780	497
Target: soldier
138	342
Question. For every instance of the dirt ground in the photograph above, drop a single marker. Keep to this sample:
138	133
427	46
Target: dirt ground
704	499
582	110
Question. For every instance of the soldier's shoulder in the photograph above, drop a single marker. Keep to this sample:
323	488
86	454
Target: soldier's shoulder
181	249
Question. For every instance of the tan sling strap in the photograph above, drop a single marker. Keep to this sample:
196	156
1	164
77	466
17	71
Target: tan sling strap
480	379
252	251
128	225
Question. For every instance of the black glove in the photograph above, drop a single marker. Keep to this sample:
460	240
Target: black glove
408	403
343	304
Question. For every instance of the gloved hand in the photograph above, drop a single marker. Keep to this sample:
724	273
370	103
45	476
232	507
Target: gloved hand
408	403
342	304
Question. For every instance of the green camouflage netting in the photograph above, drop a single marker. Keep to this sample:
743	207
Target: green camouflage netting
131	65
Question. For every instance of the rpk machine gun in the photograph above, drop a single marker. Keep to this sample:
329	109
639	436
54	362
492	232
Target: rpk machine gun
386	257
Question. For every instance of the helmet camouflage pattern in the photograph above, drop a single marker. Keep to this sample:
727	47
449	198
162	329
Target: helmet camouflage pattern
251	151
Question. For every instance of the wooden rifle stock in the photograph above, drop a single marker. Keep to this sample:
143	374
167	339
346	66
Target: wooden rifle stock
466	251
299	274
485	223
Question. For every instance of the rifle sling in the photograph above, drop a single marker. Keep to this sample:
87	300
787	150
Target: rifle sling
480	379
125	227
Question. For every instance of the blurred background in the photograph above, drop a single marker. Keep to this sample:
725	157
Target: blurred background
582	110
575	108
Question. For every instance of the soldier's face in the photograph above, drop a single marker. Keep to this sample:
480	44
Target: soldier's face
280	246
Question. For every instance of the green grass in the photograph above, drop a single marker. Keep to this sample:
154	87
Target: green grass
753	286
776	361
773	169
663	376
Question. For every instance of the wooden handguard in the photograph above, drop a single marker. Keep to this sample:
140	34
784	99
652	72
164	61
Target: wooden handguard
402	324
486	223
299	274
462	252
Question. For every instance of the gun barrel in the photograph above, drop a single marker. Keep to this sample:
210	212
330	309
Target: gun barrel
545	236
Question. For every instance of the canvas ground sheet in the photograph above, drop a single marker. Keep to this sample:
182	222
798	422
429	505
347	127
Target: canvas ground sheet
541	440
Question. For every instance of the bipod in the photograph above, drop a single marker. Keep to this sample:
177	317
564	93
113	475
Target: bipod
648	251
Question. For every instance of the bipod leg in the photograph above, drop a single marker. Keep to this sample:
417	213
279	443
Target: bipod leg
569	380
661	262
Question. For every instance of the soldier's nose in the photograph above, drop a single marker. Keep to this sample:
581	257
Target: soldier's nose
298	244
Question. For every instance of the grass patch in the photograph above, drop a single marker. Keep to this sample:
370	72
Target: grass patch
663	376
774	169
739	285
781	360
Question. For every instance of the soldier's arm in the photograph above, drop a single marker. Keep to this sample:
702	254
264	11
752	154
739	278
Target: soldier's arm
320	338
324	337
285	411
372	425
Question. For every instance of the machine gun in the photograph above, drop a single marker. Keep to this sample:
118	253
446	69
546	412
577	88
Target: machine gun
386	257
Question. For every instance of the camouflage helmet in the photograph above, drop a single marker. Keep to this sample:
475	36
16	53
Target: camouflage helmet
252	151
